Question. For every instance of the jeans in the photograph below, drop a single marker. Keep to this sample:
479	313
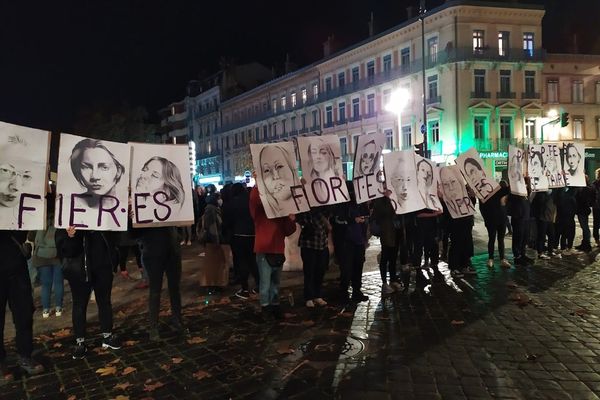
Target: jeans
101	283
426	246
461	243
15	290
244	259
566	233
158	262
585	229
314	264
387	263
519	229
269	282
498	229
51	276
352	264
544	229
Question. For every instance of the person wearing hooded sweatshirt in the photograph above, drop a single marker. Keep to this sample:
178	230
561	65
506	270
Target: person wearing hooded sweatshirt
89	259
269	246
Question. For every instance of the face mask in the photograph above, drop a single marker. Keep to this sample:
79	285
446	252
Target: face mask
220	202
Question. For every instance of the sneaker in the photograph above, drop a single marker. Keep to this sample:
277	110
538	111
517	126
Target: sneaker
320	302
396	285
544	256
253	292
188	243
242	294
387	289
310	304
567	252
28	365
468	271
490	263
79	351
556	254
46	314
58	311
5	374
153	335
504	263
182	243
359	297
111	342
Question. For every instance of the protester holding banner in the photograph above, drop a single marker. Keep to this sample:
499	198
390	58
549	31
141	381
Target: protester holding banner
543	210
566	209
518	207
314	251
586	199
89	259
389	237
494	216
269	246
461	239
215	270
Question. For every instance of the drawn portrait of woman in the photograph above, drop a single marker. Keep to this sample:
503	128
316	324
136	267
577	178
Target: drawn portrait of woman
159	175
275	176
368	160
425	184
477	179
16	177
573	159
97	170
322	165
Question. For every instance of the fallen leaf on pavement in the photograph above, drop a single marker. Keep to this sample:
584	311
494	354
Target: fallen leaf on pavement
224	300
42	337
457	322
308	323
151	387
285	349
57	345
129	343
165	367
128	370
176	360
62	333
115	361
71	397
580	312
110	370
121	397
201	375
100	351
196	340
123	386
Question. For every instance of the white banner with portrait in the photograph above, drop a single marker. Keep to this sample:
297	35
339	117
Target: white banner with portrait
454	192
427	183
574	158
23	177
320	158
280	189
471	166
535	168
401	180
161	185
553	165
92	184
516	178
367	174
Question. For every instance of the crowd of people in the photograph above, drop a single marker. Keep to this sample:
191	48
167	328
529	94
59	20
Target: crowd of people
234	220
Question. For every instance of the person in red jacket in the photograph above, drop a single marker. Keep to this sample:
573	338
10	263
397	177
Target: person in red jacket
269	246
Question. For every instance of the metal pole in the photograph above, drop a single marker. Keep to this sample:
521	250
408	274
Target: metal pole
422	12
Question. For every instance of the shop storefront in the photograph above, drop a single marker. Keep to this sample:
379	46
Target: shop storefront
496	162
592	162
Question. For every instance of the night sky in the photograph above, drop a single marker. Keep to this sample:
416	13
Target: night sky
59	58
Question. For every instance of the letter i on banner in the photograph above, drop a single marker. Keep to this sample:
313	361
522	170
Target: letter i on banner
320	158
23	177
367	174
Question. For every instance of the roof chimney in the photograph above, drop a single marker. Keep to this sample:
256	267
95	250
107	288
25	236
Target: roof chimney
328	46
575	45
371	25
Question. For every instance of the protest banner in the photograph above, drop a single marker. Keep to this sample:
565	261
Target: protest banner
401	180
454	192
471	166
574	157
367	175
516	178
427	183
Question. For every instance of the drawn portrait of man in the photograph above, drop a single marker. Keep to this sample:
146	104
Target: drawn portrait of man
574	154
401	179
471	166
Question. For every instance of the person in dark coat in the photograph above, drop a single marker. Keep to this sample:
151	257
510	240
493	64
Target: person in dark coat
566	208
89	259
518	207
543	210
385	217
596	209
494	217
586	198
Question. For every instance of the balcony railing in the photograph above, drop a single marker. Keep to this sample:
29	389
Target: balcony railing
480	95
506	95
530	95
315	128
483	144
328	125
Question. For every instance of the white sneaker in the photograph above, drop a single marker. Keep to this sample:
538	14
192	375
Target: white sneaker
387	289
46	314
58	312
490	263
188	243
182	242
310	304
543	256
319	301
505	264
567	252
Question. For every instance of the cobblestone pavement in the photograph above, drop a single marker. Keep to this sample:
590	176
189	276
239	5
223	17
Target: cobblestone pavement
524	333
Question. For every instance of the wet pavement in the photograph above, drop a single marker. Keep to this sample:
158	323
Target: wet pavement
523	333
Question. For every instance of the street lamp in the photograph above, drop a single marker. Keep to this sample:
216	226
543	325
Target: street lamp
398	100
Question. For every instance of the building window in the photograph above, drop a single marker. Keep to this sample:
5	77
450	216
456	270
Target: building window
235	140
354	143
432	82
227	142
387	63
432	46
389	139
478	41
528	44
479	128
341	79
405	58
434	131
328	84
303	121
315	91
342	112
552	91
343	146
355	108
274	105
371	104
503	43
304	96
293	99
479	82
530	83
387	93
597	92
577	128
406	136
355	74
315	117
284	127
505	127
530	128
329	115
371	69
257	135
274	131
505	82
283	102
265	132
577	91
293	124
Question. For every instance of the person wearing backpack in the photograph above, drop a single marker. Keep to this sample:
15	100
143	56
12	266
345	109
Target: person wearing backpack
49	268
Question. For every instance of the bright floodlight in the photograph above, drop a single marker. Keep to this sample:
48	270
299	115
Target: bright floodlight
398	100
552	113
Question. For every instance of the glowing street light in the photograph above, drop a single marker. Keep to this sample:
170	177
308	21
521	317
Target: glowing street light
552	113
398	100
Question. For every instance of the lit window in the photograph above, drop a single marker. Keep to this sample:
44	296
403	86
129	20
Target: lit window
479	128
434	131
530	128
528	45
503	43
283	102
389	139
341	79
387	63
478	41
577	128
577	91
274	105
315	91
552	91
505	127
304	96
293	98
